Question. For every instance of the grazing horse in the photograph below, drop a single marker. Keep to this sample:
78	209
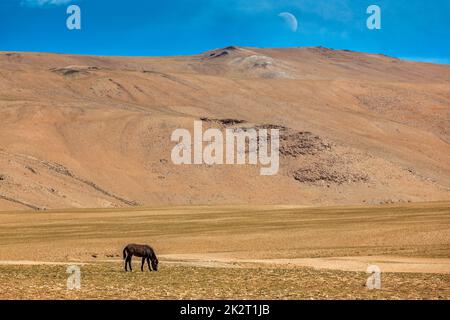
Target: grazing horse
143	251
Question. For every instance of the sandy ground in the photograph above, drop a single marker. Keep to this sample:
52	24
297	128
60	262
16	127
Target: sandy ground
323	249
108	281
364	175
94	132
358	264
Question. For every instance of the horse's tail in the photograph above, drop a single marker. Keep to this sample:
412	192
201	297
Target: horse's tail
124	253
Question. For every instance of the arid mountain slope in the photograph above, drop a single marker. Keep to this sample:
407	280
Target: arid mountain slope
85	131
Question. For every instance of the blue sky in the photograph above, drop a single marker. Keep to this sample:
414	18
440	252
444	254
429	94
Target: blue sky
412	29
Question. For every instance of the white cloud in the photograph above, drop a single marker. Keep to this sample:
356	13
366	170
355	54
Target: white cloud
42	3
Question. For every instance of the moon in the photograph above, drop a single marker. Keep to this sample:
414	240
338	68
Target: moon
290	19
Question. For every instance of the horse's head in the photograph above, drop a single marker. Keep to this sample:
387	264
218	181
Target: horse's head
155	263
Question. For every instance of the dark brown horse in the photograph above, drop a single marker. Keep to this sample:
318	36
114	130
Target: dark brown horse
143	251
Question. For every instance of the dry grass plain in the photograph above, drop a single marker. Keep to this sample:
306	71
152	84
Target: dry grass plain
230	252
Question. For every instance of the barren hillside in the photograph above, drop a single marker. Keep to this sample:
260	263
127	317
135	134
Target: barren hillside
86	131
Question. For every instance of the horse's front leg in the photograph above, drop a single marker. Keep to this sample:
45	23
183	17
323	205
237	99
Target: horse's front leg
148	263
142	265
129	262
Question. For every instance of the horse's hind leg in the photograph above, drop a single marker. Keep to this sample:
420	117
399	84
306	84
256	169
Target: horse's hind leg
126	261
142	265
